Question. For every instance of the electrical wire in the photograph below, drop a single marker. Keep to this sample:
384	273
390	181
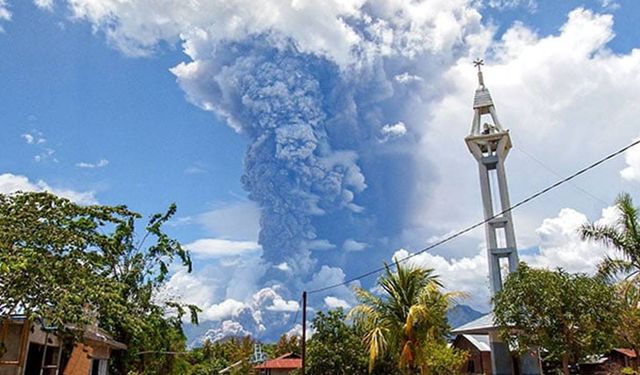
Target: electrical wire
553	172
478	224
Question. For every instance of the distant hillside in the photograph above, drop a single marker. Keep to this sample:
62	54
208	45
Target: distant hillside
462	314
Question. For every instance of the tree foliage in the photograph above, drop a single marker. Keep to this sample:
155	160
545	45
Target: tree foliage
623	236
408	319
287	344
68	264
335	347
570	316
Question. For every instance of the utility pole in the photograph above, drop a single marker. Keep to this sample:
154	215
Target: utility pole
303	344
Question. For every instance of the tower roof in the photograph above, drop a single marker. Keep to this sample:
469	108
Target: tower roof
482	97
483	105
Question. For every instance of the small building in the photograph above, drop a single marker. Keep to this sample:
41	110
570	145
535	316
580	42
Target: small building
623	358
33	348
282	365
479	360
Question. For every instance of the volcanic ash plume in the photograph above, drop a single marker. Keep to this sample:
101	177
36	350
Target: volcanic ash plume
291	168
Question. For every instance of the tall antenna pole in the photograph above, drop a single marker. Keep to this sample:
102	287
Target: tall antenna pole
303	344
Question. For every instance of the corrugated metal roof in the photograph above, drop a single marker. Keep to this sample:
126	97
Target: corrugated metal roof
481	342
482	325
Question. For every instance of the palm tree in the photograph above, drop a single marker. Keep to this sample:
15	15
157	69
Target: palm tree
623	236
409	314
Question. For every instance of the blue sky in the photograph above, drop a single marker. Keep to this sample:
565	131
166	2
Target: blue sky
355	140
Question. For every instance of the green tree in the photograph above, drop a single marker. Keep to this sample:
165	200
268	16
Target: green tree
410	315
287	344
623	236
571	316
628	328
67	264
335	347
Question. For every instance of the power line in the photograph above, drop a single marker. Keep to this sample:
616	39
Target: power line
553	172
476	225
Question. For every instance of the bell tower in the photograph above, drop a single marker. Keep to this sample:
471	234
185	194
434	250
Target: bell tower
489	143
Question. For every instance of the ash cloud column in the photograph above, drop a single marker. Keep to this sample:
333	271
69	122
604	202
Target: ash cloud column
490	143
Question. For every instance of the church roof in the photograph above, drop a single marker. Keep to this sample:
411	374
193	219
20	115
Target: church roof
482	325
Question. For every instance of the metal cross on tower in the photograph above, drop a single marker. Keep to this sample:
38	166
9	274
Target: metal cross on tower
490	143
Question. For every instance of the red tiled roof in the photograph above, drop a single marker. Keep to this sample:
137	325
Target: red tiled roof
291	363
287	361
628	352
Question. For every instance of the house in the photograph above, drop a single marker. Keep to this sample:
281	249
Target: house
33	348
279	366
479	360
623	357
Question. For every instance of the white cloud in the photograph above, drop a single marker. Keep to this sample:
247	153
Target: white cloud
99	164
319	245
45	155
216	247
391	131
283	267
334	303
326	28
226	309
28	138
468	274
238	221
279	304
353	245
407	78
560	96
530	5
44	4
5	13
10	183
35	137
37	140
632	171
559	245
609	4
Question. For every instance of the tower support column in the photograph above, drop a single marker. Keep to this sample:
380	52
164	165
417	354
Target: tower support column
489	143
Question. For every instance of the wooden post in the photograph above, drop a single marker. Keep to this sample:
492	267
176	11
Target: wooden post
303	344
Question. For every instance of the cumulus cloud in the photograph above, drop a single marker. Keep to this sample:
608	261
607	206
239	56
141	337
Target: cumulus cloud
216	247
632	171
99	164
543	87
343	31
334	303
558	245
391	131
561	246
11	183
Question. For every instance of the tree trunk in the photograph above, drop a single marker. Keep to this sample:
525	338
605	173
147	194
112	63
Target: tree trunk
565	364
